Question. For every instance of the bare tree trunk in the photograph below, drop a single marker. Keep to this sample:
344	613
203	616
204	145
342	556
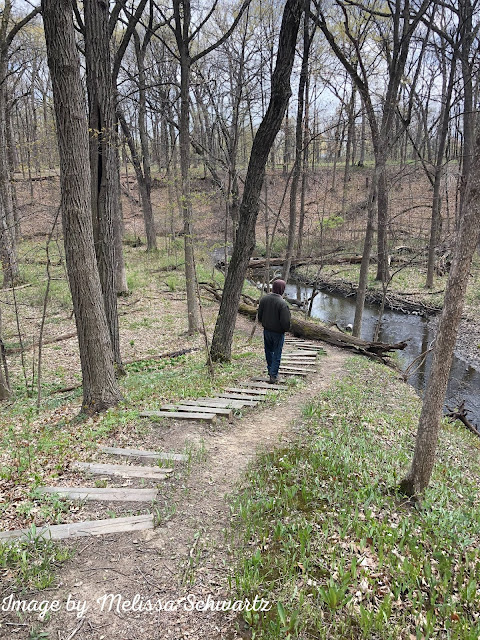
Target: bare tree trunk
439	171
103	164
348	150
297	166
100	390
182	16
146	186
367	250
264	139
418	477
4	386
303	190
8	254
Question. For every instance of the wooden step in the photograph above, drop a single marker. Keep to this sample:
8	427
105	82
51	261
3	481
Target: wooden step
249	401
179	415
123	470
298	360
302	354
288	372
219	411
214	402
88	528
262	379
140	453
105	495
262	385
292	368
256	392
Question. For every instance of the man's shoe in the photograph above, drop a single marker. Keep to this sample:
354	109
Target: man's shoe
272	380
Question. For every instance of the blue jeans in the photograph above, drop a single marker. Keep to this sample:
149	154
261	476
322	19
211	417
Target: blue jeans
273	343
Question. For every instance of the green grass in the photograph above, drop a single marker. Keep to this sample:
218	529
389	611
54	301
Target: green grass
319	532
30	563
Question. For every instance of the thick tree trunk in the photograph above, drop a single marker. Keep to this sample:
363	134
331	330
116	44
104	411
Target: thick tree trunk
264	139
468	236
103	164
100	389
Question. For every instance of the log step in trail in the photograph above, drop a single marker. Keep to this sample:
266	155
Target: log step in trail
123	470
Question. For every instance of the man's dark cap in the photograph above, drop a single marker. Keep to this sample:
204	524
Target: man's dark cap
278	287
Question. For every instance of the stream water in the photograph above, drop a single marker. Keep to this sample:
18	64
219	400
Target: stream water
464	381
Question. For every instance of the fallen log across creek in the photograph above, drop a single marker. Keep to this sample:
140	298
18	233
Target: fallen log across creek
313	331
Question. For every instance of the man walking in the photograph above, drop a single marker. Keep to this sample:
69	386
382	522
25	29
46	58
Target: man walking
274	314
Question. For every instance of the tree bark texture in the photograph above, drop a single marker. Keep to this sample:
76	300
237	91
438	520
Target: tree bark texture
100	389
103	161
263	141
419	475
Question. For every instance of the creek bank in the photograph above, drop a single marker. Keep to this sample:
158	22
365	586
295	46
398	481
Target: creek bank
393	301
468	340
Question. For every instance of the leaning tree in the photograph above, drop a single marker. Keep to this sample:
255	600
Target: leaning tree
262	144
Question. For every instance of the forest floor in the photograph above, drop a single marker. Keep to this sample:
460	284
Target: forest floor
291	501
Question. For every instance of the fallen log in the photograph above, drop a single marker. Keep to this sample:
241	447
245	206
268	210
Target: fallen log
65	336
261	263
312	331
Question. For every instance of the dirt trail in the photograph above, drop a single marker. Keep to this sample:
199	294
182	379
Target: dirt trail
188	555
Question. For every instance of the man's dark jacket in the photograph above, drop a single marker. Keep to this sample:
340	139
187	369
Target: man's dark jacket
273	313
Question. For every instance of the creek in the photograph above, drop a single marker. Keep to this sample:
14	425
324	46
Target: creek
464	383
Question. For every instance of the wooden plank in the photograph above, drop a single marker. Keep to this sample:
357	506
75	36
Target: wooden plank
302	353
106	495
140	453
179	415
214	402
256	392
262	385
219	411
88	528
260	379
250	401
287	372
292	368
123	470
